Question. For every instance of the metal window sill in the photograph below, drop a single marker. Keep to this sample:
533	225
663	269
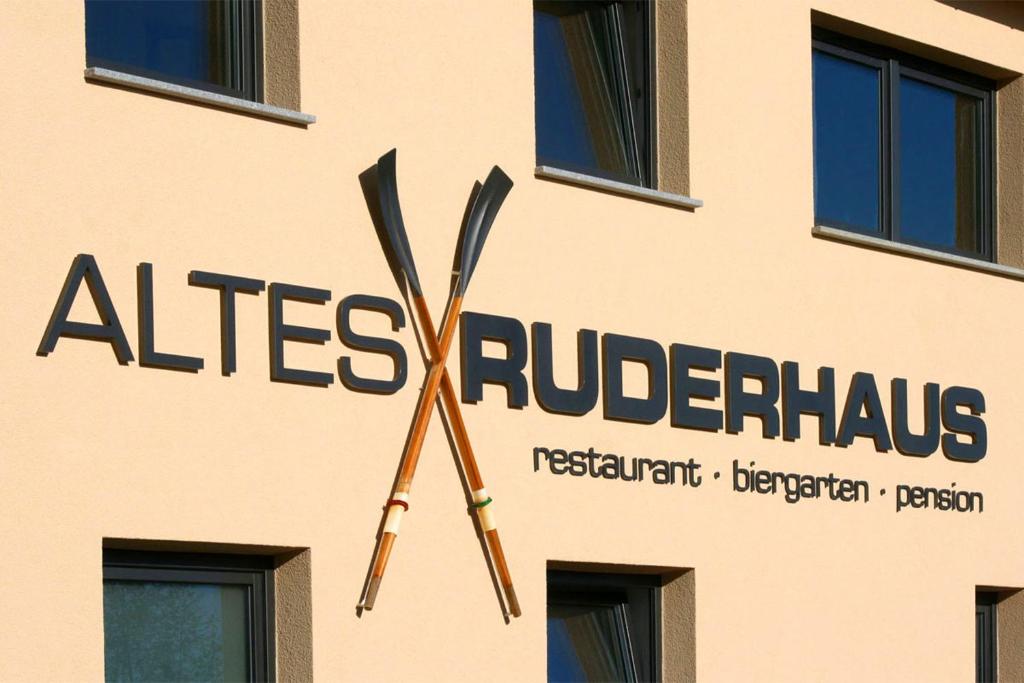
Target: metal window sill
196	95
934	255
615	187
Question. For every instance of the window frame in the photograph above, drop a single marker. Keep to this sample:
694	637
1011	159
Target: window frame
250	61
985	644
893	65
254	571
648	176
606	589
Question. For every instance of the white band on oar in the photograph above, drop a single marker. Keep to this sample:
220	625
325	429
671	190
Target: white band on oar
484	511
395	510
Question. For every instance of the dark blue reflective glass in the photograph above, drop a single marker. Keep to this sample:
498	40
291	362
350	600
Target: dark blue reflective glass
591	97
201	43
588	642
847	143
561	125
939	171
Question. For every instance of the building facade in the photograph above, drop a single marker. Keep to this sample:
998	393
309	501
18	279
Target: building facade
738	362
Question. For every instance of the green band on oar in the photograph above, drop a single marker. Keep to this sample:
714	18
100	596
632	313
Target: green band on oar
482	503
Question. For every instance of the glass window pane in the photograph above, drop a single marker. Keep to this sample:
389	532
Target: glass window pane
847	143
583	114
939	166
164	631
586	643
636	46
191	40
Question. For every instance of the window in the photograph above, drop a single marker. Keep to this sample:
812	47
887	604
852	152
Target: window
603	627
985	636
187	617
212	45
998	634
593	94
902	148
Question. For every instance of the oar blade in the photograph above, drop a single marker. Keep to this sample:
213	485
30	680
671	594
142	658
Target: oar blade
391	214
481	218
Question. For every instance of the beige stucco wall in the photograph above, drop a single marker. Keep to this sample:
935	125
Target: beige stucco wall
293	610
678	623
281	54
1010	152
91	449
672	107
1010	636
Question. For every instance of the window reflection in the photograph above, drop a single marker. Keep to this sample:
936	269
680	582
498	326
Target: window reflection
588	642
590	87
847	143
939	170
194	42
902	147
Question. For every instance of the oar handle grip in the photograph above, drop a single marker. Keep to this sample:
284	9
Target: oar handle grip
513	601
484	510
387	542
396	506
482	505
371	592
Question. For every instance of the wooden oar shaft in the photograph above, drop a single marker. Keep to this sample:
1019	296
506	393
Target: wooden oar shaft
424	409
494	543
451	404
468	459
451	407
426	405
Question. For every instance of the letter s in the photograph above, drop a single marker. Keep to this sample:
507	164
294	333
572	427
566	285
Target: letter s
360	342
967	424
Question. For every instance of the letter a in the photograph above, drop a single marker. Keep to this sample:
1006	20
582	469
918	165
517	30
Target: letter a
84	268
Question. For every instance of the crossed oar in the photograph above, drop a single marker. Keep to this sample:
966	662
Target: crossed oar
480	218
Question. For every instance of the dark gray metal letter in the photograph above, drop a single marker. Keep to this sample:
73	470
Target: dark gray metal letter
682	358
551	398
477	369
148	356
616	349
864	393
921	445
228	285
797	401
761	405
281	332
84	268
361	342
959	423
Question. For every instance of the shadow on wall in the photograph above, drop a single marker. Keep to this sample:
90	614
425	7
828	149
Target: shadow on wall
1007	12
